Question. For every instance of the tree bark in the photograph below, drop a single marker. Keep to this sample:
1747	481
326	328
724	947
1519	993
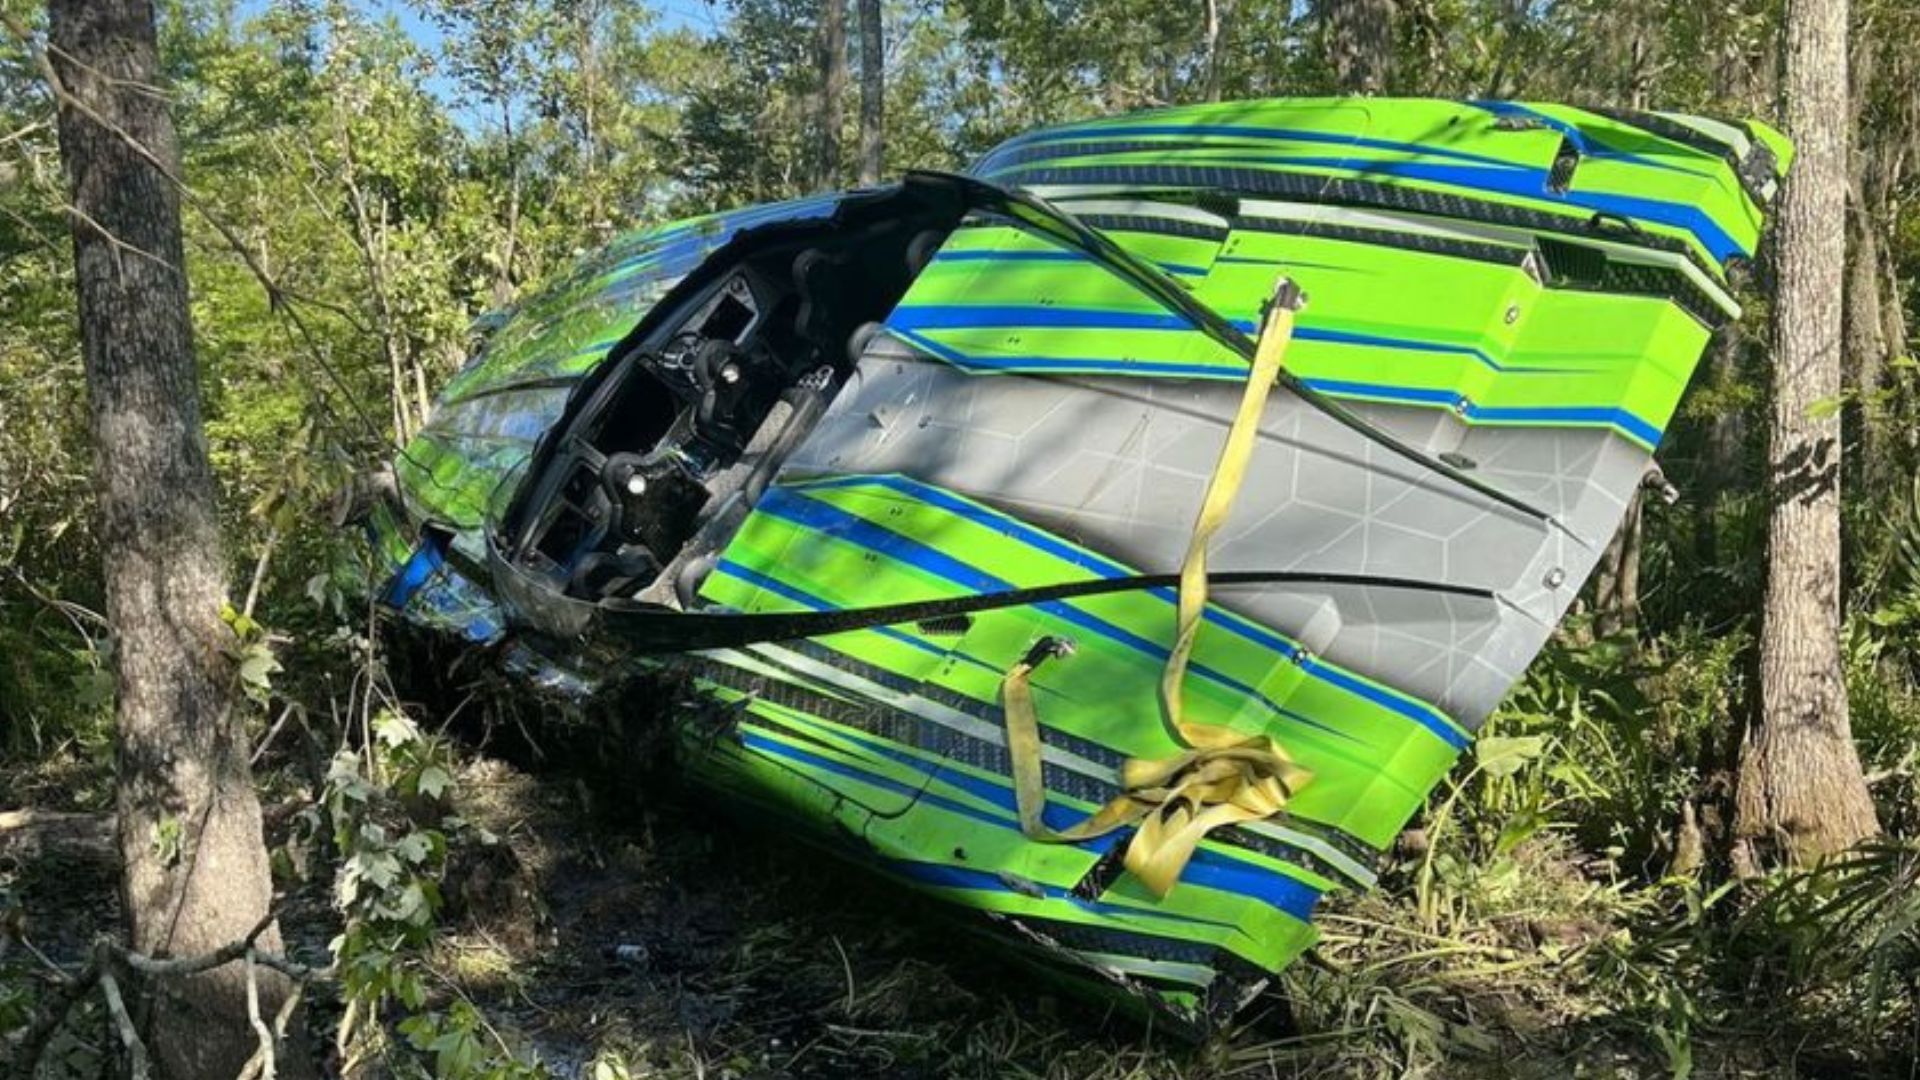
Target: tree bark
1866	343
1359	44
833	89
189	831
1210	51
1616	597
873	92
1722	465
1801	792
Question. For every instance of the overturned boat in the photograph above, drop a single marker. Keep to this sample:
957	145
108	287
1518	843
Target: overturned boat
1122	539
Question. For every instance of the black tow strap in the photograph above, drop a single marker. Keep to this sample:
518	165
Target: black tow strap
652	629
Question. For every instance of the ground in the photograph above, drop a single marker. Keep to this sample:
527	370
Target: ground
634	925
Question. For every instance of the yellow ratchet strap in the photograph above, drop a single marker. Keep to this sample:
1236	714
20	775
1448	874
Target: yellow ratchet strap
1223	777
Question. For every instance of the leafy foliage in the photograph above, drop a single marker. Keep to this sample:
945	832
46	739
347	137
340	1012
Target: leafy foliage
363	195
384	811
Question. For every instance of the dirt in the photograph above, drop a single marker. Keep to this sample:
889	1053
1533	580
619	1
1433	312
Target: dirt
687	944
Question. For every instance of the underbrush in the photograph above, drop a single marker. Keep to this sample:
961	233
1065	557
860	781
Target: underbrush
1560	909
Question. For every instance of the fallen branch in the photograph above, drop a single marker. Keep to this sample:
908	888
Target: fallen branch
261	1065
99	972
117	1008
31	833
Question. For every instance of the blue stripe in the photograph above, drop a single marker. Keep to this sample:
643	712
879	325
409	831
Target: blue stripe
920	317
1622	419
1247	131
1213	869
1525	183
1586	144
787	504
1208	869
994	255
994	316
1627	422
815	603
1533	184
781	589
1377	341
1013	527
1068	364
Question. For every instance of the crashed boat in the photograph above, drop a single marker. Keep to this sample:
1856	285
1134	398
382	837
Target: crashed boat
1118	541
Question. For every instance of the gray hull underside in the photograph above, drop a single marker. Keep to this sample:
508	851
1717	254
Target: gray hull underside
1119	465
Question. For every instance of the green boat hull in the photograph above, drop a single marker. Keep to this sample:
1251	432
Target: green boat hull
1515	295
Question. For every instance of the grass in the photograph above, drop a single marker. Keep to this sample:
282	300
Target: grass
1542	962
1529	926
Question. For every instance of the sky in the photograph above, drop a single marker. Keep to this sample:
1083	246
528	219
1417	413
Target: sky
698	15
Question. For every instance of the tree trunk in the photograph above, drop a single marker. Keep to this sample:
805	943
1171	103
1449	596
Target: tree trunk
196	874
1801	793
873	92
833	89
1722	465
1866	343
1359	44
509	243
1210	52
1616	595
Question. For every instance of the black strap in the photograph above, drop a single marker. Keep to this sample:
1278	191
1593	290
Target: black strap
651	629
1037	215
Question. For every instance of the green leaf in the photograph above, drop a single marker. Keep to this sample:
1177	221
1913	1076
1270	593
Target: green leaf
257	668
1504	755
611	1068
1519	828
1826	408
166	837
394	729
433	782
414	848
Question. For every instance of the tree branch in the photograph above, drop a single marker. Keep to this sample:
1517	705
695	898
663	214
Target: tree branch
123	1023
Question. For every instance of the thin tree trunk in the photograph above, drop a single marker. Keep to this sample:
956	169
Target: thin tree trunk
1722	465
370	238
1801	793
1210	53
587	26
510	243
873	92
1360	44
195	874
1894	312
833	89
1616	598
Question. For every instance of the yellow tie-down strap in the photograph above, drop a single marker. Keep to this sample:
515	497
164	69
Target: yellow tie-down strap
1223	777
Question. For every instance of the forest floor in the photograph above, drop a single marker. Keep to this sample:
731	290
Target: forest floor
640	928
